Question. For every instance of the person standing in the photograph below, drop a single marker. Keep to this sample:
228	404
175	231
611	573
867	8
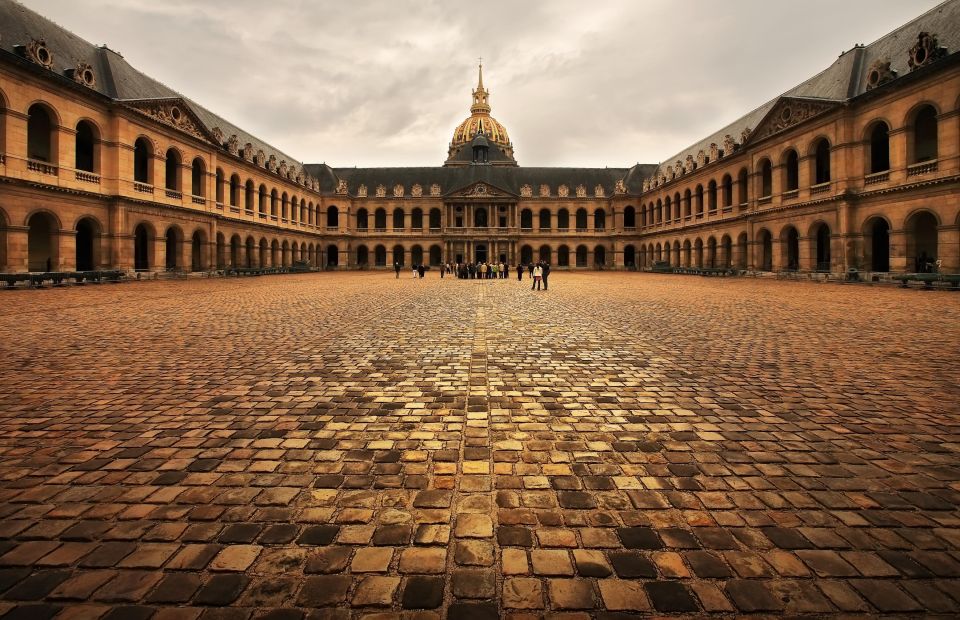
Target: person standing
537	276
421	270
443	270
519	272
396	267
546	273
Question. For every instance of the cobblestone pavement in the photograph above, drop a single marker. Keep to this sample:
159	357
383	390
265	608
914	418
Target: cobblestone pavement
351	445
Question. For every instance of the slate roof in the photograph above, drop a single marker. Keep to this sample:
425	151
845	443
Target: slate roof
116	79
846	78
451	178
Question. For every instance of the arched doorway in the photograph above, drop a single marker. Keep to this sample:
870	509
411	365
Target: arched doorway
766	251
172	248
363	255
251	248
480	252
545	253
141	244
235	251
88	240
563	256
196	251
822	249
582	255
436	255
398	257
599	255
922	246
480	218
42	242
416	255
629	257
221	251
264	256
879	232
742	245
791	241
380	256
333	256
526	255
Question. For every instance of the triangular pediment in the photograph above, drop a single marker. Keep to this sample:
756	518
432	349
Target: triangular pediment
788	112
480	190
174	112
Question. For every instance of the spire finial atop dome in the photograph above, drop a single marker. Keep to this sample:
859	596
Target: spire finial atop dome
481	102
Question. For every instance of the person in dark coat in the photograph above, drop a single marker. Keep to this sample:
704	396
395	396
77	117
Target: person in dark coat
519	272
546	273
421	270
396	267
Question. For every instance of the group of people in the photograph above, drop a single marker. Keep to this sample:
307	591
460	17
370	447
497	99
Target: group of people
539	272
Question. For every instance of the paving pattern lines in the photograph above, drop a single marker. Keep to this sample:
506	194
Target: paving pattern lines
347	445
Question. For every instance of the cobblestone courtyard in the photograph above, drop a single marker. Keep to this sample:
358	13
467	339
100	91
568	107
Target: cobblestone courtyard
351	445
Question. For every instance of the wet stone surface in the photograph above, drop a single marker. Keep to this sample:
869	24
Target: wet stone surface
351	445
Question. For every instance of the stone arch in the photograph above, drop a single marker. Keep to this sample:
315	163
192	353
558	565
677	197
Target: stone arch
363	221
236	251
698	253
221	251
599	256
416	254
563	219
43	236
262	198
545	219
198	177
545	253
276	258
87	146
42	135
89	237
399	255
765	250
790	247
436	219
820	152
599	219
333	256
581	219
743	244
765	178
923	245
333	216
380	219
263	258
144	255
526	254
877	138
143	153
563	256
687	260
582	258
286	253
629	218
790	160
629	256
711	261
726	252
820	242
923	133
173	247
526	219
436	255
198	250
173	159
675	261
399	219
251	252
380	256
363	256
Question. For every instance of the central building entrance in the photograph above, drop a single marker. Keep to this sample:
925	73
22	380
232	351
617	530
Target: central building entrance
481	253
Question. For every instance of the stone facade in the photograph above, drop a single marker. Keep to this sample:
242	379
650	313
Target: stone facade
815	180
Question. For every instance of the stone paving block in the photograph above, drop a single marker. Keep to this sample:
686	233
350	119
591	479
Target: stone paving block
518	457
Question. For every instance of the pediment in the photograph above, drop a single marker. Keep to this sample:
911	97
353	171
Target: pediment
173	112
480	189
788	112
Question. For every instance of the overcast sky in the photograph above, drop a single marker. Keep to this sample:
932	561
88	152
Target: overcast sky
576	83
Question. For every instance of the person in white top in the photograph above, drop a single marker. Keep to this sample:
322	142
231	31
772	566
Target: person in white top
537	277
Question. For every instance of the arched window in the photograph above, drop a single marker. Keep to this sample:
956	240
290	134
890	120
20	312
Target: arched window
581	256
821	167
41	143
526	255
172	170
563	256
262	200
599	219
398	254
436	255
629	256
88	244
581	219
416	219
630	220
220	181
924	129
687	199
766	179
922	241
667	210
545	219
712	196
142	152
643	215
791	171
362	219
363	255
416	255
791	248
676	206
742	187
599	256
294	209
480	217
273	203
141	248
86	147
333	216
563	219
435	219
250	193
658	215
172	238
283	206
235	191
822	249
526	219
42	247
380	256
727	188
333	256
880	149
699	199
398	219
197	177
380	219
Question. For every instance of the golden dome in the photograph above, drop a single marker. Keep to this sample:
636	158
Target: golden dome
480	121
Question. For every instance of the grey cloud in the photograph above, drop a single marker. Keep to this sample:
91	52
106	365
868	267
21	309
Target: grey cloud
575	83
